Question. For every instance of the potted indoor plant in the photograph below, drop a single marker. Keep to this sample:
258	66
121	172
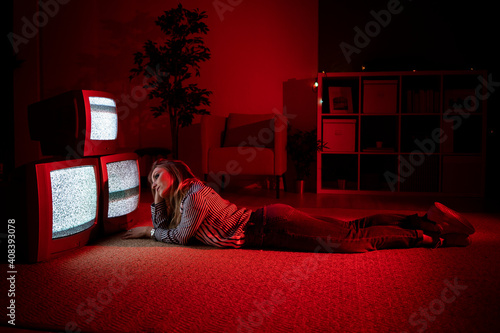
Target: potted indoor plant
167	68
302	147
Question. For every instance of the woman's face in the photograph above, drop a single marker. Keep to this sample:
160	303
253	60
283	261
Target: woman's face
161	181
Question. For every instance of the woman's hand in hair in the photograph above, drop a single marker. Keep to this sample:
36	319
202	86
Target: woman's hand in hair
139	232
156	194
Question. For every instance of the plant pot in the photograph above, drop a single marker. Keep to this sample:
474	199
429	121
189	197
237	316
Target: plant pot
299	186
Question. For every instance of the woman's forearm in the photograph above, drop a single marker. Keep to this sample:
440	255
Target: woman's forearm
159	215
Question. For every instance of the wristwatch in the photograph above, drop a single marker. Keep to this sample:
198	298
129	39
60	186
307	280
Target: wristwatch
152	232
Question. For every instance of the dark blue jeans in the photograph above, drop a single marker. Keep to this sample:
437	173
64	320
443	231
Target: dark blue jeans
281	226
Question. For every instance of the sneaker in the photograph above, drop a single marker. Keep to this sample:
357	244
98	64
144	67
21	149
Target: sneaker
449	221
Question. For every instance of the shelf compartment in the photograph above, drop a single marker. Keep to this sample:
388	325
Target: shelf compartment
347	88
421	94
380	96
420	133
376	171
339	134
460	93
339	171
379	133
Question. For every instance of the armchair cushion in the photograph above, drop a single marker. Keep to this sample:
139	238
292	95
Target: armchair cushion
236	153
259	134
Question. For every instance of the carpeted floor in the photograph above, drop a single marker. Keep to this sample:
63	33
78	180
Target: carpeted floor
116	285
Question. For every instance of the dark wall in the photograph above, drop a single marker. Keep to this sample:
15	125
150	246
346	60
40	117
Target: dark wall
420	34
7	114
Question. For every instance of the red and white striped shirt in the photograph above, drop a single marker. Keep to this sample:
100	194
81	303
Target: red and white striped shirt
205	216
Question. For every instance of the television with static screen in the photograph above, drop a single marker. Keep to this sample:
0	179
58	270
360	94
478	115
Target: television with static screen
120	183
75	124
57	207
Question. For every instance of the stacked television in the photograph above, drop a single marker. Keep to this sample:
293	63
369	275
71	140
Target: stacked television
85	189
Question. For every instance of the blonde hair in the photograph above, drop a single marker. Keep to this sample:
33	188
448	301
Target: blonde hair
183	177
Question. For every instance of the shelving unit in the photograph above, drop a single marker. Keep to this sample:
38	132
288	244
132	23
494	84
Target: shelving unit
402	132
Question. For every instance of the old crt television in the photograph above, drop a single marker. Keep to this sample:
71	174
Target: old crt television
75	124
120	195
57	207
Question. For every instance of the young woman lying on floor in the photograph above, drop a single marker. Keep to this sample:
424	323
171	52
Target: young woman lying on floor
185	210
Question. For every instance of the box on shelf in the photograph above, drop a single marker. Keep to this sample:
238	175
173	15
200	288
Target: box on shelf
380	96
339	134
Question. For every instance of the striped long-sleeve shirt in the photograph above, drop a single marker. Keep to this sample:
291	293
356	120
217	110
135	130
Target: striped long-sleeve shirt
205	216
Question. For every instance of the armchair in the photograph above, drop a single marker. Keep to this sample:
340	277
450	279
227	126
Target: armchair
244	144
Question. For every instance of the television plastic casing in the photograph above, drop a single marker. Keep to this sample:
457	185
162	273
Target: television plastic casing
63	124
119	197
36	208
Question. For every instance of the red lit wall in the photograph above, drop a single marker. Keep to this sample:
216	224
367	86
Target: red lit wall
256	47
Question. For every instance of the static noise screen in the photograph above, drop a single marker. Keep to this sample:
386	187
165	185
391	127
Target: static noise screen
74	200
104	119
123	182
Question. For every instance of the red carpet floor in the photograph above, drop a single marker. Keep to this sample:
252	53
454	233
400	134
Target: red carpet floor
144	286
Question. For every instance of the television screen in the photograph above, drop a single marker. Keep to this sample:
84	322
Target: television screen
123	178
75	124
104	120
74	200
120	177
56	205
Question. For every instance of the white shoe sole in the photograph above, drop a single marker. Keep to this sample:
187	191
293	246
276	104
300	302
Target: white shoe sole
450	220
